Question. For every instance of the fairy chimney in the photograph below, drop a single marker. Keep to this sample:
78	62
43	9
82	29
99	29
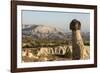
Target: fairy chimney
77	42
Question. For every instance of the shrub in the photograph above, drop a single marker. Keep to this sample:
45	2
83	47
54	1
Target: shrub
87	43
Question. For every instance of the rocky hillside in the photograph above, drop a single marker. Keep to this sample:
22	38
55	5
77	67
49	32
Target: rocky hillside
43	32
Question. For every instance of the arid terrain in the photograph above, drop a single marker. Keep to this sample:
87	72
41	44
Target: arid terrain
47	54
44	43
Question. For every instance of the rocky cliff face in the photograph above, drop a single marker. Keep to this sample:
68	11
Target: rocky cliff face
43	31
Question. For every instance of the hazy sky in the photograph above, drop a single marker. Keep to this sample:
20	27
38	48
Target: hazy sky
56	19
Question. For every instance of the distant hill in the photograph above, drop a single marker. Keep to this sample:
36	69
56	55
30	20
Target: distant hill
48	32
43	32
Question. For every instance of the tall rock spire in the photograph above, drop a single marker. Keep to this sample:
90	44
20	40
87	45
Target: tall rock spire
77	42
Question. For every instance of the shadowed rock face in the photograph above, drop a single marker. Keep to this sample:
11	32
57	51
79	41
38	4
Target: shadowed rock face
77	42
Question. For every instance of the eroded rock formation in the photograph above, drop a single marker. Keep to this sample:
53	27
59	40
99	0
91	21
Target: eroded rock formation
78	49
60	50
